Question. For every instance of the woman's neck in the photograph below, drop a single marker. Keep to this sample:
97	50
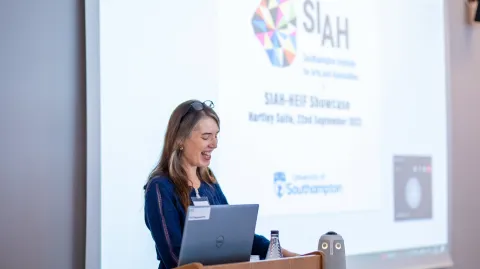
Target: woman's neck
192	176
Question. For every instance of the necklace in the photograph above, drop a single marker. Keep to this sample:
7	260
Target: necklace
197	193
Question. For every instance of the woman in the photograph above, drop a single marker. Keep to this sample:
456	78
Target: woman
182	174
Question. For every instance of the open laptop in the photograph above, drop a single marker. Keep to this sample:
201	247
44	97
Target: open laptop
218	234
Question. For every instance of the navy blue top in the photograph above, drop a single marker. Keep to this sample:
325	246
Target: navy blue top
165	218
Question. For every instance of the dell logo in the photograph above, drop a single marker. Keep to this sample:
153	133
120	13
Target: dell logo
219	241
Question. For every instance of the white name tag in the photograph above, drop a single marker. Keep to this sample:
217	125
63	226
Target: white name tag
199	213
200	201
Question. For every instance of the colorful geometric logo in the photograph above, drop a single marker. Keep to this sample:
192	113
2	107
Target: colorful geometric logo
275	25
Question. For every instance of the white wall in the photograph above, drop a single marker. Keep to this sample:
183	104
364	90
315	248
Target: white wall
465	96
42	142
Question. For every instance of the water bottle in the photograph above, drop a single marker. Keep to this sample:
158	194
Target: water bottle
274	249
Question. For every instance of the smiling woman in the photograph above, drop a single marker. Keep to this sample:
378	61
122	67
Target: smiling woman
181	175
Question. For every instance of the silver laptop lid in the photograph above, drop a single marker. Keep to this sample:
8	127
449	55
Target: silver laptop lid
218	234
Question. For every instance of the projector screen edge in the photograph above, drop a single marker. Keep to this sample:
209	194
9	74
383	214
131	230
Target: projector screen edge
93	195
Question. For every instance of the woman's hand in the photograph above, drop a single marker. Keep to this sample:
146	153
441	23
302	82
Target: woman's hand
288	254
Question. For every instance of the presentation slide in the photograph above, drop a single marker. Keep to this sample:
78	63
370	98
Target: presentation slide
307	80
333	117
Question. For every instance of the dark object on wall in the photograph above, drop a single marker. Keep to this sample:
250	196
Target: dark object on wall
477	13
473	11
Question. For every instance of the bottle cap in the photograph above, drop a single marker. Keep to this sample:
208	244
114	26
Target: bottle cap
274	232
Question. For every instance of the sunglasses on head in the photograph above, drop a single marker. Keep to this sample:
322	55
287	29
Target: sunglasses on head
200	105
197	106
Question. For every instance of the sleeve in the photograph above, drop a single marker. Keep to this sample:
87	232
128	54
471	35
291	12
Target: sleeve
221	196
260	243
260	246
164	223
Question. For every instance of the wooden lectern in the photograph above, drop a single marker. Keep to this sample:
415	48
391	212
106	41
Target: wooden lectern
313	260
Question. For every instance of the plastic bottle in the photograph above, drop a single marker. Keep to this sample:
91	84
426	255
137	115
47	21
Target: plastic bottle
274	249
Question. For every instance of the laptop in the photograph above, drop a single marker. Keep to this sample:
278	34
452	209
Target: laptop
218	234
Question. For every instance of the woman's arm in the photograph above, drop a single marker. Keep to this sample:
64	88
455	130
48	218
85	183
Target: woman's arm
163	221
287	253
260	246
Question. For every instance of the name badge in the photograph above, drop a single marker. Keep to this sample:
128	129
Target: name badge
200	201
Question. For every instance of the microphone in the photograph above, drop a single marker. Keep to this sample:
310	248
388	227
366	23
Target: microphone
332	245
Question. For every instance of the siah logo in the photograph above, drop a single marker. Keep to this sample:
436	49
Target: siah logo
275	25
279	180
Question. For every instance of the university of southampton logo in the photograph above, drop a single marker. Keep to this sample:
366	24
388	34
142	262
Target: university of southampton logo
275	25
279	180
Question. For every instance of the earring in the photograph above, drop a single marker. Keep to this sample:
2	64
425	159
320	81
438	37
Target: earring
181	148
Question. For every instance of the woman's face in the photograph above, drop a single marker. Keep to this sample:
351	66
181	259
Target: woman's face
198	147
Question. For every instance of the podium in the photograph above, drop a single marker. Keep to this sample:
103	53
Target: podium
313	260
